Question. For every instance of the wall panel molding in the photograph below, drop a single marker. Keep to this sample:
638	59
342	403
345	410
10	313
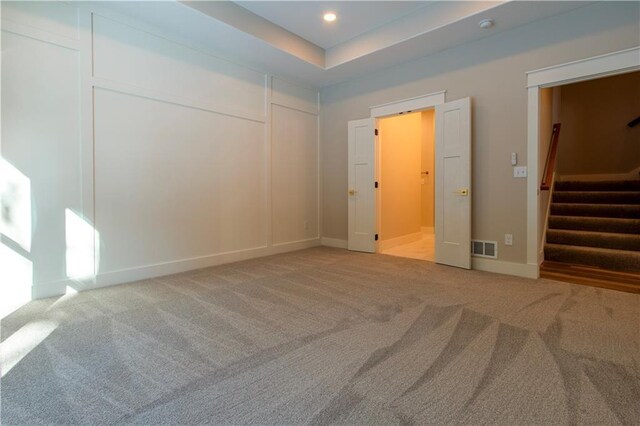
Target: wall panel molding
40	35
156	114
294	96
146	61
129	89
183	265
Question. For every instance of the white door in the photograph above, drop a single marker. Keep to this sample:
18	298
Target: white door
453	183
361	191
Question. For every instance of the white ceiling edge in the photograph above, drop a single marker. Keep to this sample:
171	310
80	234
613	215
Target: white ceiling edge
186	26
435	15
507	16
190	27
250	23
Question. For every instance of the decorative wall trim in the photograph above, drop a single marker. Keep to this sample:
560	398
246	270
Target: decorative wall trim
586	69
411	104
168	268
289	95
507	268
51	289
40	35
129	89
296	108
294	95
334	242
315	241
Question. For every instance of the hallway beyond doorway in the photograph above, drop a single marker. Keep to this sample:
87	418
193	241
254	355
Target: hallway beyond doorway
423	249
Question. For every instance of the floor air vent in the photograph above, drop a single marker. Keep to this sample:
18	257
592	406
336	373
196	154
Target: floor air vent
483	248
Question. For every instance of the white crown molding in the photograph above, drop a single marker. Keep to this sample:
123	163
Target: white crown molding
618	62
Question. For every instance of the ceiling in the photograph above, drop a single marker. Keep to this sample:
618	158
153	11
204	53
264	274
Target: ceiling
290	39
304	18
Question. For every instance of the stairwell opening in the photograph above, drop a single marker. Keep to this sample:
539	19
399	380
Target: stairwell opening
590	220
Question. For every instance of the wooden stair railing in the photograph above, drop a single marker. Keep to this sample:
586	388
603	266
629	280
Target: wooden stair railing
550	165
634	122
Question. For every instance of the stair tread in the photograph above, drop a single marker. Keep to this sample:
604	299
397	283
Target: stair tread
616	219
632	253
590	275
582	238
595	210
624	191
598	224
611	185
630	205
615	259
598	233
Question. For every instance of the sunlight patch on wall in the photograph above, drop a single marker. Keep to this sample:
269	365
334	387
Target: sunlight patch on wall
81	238
16	279
15	205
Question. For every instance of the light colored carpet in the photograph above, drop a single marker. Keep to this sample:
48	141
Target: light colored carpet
326	336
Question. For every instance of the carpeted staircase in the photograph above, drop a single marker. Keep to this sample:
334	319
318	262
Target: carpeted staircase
595	224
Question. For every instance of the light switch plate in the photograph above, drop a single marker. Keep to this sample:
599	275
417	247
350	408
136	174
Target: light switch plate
514	158
508	239
520	172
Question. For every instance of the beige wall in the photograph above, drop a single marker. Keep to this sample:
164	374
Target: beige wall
595	138
400	149
493	72
427	187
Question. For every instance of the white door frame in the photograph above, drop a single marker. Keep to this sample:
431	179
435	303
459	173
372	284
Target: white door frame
609	64
416	104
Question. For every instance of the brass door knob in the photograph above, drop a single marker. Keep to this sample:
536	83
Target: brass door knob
352	192
463	192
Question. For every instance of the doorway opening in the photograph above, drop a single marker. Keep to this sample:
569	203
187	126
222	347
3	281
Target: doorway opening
452	189
406	176
609	64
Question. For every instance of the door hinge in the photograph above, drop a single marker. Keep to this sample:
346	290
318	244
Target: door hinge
376	237
375	185
376	132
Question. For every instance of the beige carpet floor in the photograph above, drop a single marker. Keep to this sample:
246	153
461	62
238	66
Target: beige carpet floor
326	336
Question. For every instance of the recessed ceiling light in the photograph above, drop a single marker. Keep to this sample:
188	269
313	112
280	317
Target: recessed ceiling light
486	23
329	16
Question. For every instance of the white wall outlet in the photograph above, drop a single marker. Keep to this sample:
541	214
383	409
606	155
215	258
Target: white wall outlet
520	172
514	158
508	239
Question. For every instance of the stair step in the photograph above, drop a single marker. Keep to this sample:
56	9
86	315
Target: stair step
615	185
597	197
599	224
594	239
617	260
596	210
591	276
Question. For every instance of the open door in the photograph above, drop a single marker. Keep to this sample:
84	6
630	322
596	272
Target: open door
453	183
361	191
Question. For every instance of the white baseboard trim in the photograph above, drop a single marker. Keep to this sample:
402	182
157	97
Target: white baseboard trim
106	279
428	229
508	268
398	241
631	175
51	289
334	242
